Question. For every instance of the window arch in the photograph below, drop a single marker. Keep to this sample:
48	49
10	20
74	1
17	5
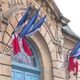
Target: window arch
26	66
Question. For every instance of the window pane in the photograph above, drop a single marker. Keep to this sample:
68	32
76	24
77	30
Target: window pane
25	60
20	60
19	75
33	61
27	76
13	74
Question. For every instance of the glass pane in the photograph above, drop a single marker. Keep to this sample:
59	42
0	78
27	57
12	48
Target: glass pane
14	58
19	75
31	76
33	61
27	76
35	78
20	59
25	60
13	74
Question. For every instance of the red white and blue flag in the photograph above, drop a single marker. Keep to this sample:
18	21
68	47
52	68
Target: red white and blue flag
15	45
31	27
73	58
26	47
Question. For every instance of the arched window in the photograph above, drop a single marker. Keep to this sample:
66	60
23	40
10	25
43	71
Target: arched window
26	67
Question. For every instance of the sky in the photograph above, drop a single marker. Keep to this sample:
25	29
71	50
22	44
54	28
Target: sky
70	9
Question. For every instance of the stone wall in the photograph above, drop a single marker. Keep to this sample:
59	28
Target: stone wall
53	45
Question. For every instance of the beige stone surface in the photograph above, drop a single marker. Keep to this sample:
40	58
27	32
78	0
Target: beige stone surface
53	55
51	46
53	30
58	78
45	55
47	38
49	56
68	44
43	31
57	64
4	78
59	73
5	59
5	70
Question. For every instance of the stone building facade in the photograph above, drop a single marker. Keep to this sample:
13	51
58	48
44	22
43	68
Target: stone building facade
50	44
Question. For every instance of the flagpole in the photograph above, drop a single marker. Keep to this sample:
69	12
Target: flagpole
10	44
67	60
76	76
9	39
35	27
21	21
29	24
5	44
7	50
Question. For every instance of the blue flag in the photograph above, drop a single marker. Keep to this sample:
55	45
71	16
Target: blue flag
29	24
36	26
75	49
78	57
23	19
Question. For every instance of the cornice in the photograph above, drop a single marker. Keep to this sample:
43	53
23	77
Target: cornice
59	17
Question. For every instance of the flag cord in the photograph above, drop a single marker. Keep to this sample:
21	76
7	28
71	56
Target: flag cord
67	53
67	60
